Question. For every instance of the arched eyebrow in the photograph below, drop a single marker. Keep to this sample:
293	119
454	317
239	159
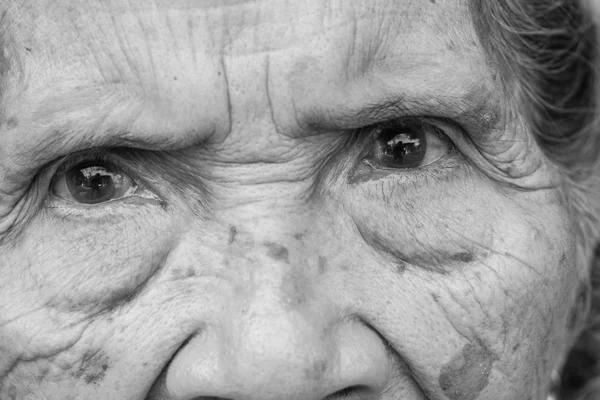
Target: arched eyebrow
479	110
75	126
84	118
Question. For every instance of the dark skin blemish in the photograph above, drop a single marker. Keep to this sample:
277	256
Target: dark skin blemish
298	236
316	371
232	234
463	257
177	273
278	252
93	367
400	268
28	49
190	272
92	379
467	373
12	392
12	123
322	265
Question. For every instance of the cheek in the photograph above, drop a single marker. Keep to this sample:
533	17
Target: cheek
84	267
62	283
481	304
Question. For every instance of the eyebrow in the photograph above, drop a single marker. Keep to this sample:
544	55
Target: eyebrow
88	119
477	110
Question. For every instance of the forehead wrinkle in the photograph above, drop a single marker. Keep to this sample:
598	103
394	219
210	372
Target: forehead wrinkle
395	74
249	26
377	27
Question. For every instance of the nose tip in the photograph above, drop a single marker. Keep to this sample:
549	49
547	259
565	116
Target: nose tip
280	357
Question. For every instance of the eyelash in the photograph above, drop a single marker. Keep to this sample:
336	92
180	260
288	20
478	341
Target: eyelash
102	156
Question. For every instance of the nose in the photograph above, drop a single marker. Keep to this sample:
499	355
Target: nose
264	349
279	357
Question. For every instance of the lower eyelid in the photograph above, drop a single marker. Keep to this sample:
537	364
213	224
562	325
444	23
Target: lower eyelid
115	208
441	169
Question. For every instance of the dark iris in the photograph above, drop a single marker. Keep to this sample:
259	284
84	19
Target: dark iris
91	183
403	147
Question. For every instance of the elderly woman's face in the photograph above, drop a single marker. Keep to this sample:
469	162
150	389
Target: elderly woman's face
271	200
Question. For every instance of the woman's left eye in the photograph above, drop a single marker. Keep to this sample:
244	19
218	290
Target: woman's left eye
407	144
92	182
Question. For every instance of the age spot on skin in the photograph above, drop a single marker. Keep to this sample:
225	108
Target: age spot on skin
278	252
322	265
232	234
93	367
12	123
563	258
177	274
463	257
316	371
467	373
12	391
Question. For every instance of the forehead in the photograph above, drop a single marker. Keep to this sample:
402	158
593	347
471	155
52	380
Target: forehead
247	25
197	62
124	38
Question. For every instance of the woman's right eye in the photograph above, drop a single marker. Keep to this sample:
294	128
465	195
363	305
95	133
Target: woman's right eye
92	182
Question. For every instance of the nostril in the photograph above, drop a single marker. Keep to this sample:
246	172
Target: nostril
355	392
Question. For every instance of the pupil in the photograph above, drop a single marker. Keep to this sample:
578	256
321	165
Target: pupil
91	184
403	150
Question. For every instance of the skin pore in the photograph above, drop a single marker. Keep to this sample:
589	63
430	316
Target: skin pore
264	253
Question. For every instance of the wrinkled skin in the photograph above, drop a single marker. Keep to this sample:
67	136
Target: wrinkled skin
261	257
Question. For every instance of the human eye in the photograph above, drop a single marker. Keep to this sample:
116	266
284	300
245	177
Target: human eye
407	143
93	179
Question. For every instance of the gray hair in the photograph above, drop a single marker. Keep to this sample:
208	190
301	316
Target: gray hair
547	54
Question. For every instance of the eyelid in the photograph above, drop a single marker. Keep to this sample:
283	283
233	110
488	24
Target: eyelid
100	155
457	135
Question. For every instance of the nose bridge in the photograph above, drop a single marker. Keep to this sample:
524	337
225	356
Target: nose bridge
272	340
281	264
274	321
